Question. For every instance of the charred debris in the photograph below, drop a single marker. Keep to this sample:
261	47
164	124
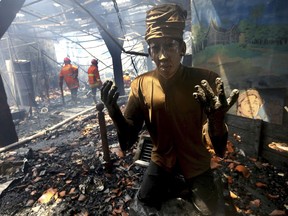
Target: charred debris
65	171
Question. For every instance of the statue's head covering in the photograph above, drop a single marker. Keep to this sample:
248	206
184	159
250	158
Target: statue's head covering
165	20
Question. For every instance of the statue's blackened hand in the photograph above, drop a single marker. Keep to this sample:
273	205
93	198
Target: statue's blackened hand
109	97
215	105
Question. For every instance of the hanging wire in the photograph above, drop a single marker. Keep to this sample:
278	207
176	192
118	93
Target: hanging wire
133	63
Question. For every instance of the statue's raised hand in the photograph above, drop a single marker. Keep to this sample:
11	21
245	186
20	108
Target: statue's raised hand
109	97
216	104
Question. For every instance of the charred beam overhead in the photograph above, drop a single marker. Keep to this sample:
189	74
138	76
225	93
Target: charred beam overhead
55	25
31	3
66	25
108	33
72	9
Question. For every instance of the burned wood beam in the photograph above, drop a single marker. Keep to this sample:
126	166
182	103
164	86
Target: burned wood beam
8	10
137	53
43	132
8	133
103	132
108	33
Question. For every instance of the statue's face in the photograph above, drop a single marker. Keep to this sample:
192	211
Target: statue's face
167	54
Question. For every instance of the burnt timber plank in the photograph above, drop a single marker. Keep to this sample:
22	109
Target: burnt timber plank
255	135
274	133
248	129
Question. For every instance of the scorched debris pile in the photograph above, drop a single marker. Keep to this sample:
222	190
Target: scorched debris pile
63	173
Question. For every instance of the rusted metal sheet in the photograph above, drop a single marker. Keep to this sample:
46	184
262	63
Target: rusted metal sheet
278	159
244	133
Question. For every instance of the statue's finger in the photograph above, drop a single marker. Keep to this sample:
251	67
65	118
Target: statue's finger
233	97
220	91
207	89
111	94
200	94
211	99
115	98
105	89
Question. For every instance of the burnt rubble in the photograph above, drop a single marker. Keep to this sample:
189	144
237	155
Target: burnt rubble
67	168
63	172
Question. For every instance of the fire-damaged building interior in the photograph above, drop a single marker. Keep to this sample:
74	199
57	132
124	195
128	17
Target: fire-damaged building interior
59	156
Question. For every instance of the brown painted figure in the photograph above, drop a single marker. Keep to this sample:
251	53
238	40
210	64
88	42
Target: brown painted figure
180	106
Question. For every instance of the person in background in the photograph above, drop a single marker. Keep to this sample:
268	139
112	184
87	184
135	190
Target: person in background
69	73
126	80
183	109
94	78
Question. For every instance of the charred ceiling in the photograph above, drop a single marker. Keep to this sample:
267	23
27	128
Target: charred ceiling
56	18
111	31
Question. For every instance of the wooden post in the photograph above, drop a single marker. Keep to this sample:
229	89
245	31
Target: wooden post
8	132
103	132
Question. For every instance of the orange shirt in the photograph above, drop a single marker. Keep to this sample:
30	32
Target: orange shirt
93	76
126	78
69	73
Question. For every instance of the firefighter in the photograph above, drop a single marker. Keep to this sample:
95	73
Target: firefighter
94	78
69	73
126	80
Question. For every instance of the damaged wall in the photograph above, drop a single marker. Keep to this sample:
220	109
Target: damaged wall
44	69
8	10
